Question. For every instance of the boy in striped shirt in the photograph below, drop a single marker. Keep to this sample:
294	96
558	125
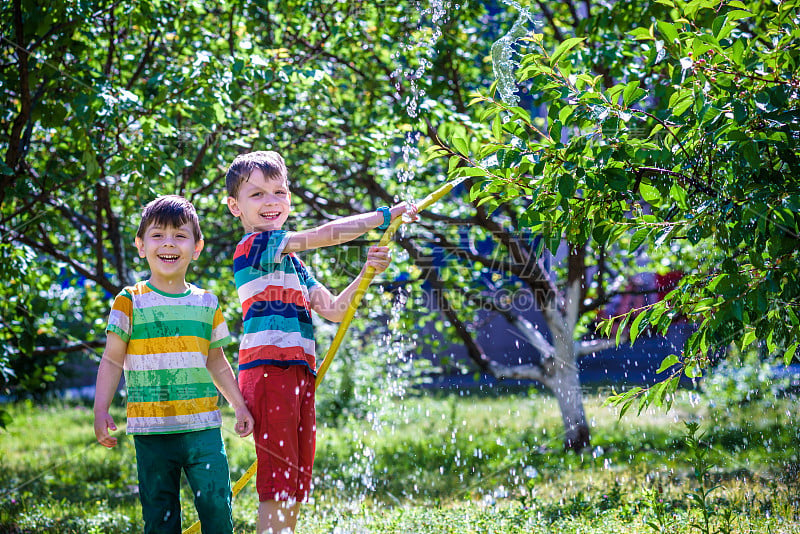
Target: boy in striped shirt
277	351
168	336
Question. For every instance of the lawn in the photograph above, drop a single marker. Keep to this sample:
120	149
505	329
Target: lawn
451	464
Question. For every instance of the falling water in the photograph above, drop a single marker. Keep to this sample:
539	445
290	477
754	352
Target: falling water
423	51
418	52
503	63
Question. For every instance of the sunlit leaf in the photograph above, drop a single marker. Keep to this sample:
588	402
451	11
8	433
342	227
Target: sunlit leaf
564	47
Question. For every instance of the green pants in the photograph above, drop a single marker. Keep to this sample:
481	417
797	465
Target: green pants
201	454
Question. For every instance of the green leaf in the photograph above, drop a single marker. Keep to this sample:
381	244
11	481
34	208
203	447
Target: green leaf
497	127
788	356
693	371
678	194
452	163
491	200
565	47
682	106
566	185
641	34
476	190
460	144
739	14
625	406
638	238
634	331
621	328
679	96
650	194
555	131
219	113
681	100
668	30
631	92
470	171
668	362
771	345
748	338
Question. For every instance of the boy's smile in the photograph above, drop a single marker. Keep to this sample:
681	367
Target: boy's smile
169	251
262	203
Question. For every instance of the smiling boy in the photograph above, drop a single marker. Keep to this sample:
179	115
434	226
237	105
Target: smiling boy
277	364
168	336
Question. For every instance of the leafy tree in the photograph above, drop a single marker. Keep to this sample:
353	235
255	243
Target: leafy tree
684	142
109	104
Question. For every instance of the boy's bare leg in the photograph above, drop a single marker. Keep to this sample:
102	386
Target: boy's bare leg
277	517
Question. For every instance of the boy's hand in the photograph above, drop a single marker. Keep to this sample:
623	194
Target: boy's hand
378	258
244	422
102	423
408	209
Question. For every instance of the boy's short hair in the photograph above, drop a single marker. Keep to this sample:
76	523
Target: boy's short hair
270	163
170	210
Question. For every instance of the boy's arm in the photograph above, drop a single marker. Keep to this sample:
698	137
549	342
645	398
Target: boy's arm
108	375
334	308
222	374
342	230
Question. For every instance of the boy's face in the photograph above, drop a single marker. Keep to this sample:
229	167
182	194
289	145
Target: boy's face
262	204
169	251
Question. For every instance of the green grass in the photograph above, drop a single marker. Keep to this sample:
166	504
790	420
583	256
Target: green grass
446	464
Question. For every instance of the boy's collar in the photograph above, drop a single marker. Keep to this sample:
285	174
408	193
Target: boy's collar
171	295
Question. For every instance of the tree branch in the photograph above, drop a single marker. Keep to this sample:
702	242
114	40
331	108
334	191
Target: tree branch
474	350
697	184
148	50
576	285
574	13
83	345
582	348
48	248
14	152
517	372
550	19
231	32
187	173
98	232
531	334
112	45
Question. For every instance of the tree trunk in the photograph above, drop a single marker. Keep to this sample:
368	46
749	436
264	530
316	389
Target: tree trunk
558	367
564	382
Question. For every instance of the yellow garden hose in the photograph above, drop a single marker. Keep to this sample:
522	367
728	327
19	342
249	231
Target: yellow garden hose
369	275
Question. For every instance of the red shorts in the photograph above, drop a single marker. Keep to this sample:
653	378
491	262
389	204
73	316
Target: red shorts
281	400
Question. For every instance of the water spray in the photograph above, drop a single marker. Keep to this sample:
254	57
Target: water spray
503	63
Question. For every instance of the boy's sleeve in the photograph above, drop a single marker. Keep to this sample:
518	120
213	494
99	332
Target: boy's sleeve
305	275
261	249
220	336
120	320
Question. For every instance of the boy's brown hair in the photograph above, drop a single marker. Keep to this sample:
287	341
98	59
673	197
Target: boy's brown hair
270	163
170	210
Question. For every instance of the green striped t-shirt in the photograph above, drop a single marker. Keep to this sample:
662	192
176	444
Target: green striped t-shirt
169	388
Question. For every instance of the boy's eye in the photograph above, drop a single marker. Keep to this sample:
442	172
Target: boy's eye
256	194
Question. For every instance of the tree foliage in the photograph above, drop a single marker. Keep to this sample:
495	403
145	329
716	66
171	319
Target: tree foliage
672	126
669	127
107	105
